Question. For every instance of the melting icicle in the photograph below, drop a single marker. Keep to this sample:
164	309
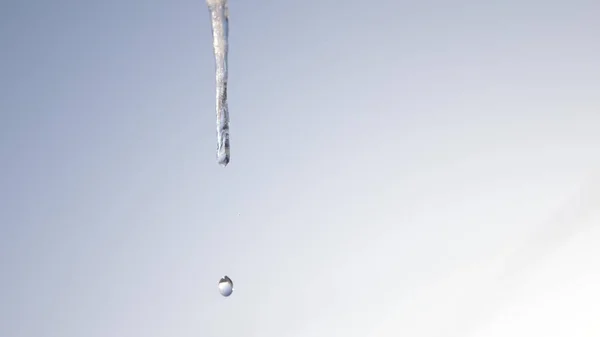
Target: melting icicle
219	14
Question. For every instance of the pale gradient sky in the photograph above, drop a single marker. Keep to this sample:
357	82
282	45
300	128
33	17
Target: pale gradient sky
398	169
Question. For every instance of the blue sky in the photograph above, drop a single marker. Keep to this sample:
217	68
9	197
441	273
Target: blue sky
390	160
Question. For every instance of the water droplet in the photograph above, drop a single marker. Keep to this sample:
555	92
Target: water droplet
225	286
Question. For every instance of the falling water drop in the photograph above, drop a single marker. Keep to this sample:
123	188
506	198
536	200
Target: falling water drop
225	286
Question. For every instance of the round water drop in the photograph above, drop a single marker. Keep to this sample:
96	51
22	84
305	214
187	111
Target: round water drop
225	286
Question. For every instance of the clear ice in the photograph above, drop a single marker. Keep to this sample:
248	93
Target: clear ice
225	286
219	14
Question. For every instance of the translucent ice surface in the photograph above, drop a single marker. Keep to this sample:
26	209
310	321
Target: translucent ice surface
219	15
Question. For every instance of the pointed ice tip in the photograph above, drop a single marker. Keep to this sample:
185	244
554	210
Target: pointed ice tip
223	161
